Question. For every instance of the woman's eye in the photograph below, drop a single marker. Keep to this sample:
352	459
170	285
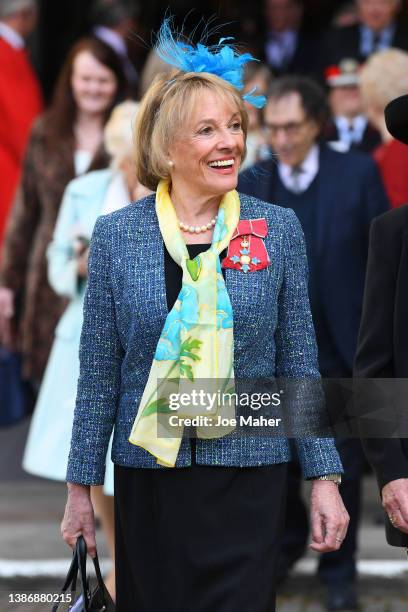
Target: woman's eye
236	126
206	130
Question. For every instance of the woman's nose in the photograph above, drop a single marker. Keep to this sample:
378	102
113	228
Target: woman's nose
94	86
226	140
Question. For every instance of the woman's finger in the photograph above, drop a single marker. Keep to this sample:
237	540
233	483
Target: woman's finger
332	528
317	525
89	537
346	519
71	535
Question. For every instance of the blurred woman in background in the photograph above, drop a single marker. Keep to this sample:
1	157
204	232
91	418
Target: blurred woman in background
385	77
257	76
85	198
65	142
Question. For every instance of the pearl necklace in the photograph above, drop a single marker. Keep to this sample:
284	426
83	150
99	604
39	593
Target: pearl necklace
197	229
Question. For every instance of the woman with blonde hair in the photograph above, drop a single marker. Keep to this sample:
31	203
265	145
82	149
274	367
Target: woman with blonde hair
86	197
385	77
197	521
258	77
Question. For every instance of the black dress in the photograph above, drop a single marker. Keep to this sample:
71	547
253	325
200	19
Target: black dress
201	538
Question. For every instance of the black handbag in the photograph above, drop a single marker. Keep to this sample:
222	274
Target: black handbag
96	600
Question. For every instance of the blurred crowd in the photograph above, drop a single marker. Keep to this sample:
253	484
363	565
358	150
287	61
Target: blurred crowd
320	146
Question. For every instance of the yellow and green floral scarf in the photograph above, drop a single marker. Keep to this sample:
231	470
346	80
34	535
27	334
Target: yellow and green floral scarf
196	344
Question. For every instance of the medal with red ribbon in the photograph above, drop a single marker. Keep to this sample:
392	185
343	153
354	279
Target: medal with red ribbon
246	250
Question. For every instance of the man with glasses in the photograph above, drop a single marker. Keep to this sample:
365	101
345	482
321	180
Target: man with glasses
335	196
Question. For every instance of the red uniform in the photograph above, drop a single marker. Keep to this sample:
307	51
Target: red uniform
392	159
20	103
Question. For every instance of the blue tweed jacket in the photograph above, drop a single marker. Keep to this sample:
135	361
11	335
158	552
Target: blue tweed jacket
124	313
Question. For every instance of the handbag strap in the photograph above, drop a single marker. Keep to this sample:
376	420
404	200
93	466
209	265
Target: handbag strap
78	563
98	573
70	580
81	550
101	584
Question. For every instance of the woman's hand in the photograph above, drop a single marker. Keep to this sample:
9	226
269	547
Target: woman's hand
6	314
329	518
79	518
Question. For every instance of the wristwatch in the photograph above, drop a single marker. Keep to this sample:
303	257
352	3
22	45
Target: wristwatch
336	478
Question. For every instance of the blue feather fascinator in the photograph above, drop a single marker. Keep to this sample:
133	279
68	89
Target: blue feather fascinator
222	59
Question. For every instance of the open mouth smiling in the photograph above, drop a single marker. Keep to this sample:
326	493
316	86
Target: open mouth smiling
222	163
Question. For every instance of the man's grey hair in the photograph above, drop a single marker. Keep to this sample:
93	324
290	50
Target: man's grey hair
9	7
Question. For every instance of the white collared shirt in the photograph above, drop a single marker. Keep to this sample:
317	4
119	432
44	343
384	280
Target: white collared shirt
11	36
82	161
367	38
309	169
281	47
351	130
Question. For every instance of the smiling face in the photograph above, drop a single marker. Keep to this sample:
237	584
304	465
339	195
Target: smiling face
206	156
94	85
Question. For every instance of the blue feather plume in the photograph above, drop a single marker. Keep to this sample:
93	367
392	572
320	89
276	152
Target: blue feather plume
221	59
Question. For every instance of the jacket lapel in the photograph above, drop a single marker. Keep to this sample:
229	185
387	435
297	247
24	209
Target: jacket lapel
152	266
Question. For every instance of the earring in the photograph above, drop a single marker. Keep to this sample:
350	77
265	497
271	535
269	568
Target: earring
171	163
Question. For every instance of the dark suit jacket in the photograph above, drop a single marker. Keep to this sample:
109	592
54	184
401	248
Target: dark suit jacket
303	60
370	141
341	43
383	339
351	194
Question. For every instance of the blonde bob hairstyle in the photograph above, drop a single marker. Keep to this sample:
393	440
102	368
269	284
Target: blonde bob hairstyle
164	111
118	132
384	77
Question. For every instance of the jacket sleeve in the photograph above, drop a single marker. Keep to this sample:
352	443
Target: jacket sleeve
62	263
296	354
374	358
100	357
